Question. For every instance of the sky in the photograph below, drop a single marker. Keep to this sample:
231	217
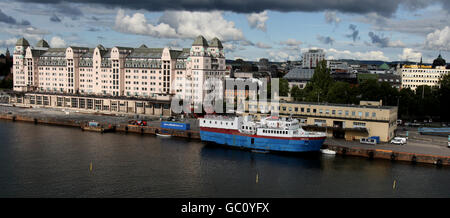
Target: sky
395	30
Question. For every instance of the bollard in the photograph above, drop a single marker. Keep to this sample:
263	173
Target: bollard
439	163
344	151
393	157
414	159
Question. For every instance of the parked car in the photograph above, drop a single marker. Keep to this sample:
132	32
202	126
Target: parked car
398	141
138	122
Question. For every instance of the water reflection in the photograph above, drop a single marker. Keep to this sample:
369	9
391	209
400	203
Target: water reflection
49	161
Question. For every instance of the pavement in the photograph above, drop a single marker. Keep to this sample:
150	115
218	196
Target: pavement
67	114
413	145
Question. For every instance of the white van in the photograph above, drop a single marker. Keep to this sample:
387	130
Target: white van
398	141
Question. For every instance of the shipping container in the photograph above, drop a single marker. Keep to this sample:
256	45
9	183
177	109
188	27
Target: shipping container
377	138
174	125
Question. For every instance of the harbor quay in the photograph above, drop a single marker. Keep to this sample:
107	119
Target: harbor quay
419	149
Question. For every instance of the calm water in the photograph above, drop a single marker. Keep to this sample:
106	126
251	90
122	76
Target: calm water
49	161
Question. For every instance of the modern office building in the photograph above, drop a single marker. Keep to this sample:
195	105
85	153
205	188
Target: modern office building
118	71
414	75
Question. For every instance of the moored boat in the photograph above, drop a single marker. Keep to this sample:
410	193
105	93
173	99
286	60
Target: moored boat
328	151
268	134
96	127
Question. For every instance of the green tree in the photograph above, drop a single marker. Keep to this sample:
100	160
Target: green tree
317	88
297	94
406	103
284	87
370	90
388	94
444	97
426	102
341	93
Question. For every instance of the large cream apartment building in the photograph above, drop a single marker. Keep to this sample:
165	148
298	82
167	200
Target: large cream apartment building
118	71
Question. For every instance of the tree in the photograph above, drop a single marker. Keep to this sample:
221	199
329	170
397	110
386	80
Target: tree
426	102
317	88
388	94
284	87
405	103
297	94
370	90
341	93
444	97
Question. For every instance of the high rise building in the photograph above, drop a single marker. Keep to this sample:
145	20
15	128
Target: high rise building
312	57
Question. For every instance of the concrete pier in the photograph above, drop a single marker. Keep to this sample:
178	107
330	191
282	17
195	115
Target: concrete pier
417	150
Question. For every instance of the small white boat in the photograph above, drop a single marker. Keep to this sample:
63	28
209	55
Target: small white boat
163	135
260	151
328	151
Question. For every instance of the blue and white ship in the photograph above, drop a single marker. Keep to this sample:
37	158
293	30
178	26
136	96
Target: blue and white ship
268	134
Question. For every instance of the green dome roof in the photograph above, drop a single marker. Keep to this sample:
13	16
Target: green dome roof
384	66
439	61
100	46
22	42
216	43
42	44
200	41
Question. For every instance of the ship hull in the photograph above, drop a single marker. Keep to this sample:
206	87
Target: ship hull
236	139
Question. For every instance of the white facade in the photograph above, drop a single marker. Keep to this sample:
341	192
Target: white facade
118	71
312	58
412	76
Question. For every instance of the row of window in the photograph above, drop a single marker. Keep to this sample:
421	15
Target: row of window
320	111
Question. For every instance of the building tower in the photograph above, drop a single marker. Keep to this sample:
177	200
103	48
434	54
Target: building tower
19	76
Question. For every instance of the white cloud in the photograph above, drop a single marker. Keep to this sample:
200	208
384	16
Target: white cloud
282	56
291	42
439	39
410	55
8	42
426	23
28	32
228	47
209	24
258	20
262	45
180	24
396	44
57	42
346	54
331	17
137	24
